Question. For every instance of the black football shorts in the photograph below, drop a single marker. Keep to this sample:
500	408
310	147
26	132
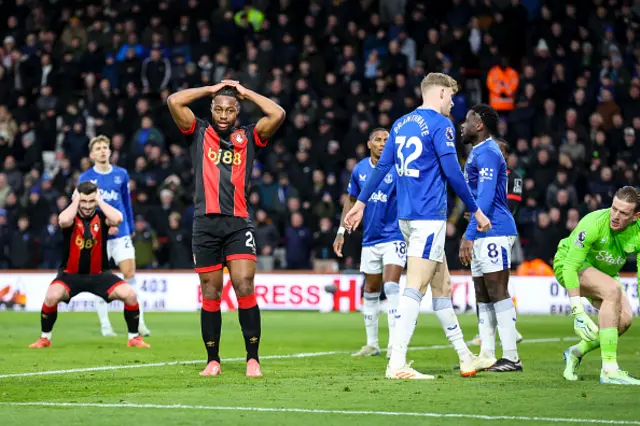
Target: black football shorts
218	239
99	284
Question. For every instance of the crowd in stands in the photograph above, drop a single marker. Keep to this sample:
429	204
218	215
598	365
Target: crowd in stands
564	75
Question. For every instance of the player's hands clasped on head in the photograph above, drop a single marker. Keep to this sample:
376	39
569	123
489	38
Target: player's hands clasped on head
242	91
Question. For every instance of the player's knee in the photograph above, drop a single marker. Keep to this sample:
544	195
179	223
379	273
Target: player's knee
52	300
209	289
482	296
128	295
243	287
497	292
612	293
442	288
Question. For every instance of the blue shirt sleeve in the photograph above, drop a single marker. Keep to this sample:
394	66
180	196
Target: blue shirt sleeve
380	171
354	188
489	166
444	137
126	201
83	177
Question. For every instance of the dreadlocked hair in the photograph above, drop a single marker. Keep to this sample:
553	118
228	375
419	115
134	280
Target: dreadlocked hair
489	117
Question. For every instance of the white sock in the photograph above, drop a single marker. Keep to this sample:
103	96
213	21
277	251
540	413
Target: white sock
406	319
449	321
46	335
132	282
506	316
132	335
370	310
102	308
487	328
392	290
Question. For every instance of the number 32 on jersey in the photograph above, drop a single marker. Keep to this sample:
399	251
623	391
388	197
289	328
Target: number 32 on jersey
408	151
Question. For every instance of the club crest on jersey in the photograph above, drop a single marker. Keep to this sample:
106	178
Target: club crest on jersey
239	138
117	180
450	134
388	178
96	228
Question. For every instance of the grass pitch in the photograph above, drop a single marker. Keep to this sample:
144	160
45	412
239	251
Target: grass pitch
309	376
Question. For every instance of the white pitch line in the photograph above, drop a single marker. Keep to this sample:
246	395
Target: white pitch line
320	411
197	361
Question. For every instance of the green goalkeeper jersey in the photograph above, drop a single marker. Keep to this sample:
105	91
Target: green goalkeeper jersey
594	243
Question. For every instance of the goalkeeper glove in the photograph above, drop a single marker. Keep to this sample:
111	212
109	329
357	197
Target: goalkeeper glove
584	327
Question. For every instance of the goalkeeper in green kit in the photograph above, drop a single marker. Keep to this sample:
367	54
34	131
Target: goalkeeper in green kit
587	264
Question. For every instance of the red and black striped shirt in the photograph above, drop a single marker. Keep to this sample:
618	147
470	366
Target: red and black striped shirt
85	245
222	168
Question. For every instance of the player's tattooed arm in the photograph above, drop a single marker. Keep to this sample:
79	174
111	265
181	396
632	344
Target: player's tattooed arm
274	113
179	101
67	216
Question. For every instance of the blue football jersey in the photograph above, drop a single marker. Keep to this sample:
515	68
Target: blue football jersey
486	173
114	190
416	143
381	214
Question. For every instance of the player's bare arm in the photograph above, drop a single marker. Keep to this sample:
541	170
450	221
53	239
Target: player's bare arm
67	216
179	101
339	241
274	113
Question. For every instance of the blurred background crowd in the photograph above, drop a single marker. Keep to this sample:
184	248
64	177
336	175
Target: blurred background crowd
564	75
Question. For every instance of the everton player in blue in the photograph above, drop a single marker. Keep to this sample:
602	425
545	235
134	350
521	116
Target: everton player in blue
384	252
489	253
422	148
113	182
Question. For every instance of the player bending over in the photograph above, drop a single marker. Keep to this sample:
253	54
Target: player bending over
489	253
384	252
222	157
587	264
85	266
113	184
422	148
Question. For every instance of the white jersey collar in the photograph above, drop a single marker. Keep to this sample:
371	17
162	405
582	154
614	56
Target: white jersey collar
95	169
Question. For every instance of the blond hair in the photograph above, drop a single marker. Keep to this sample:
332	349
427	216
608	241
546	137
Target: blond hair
99	139
438	79
629	194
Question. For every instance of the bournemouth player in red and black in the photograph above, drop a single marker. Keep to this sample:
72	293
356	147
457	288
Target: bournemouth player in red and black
223	156
85	267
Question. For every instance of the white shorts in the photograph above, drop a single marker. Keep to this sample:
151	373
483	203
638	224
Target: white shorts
374	258
491	254
120	249
425	238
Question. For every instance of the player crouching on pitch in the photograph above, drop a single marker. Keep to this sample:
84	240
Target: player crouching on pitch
85	224
588	264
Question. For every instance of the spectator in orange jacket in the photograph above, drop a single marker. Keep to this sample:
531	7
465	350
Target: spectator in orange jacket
502	82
